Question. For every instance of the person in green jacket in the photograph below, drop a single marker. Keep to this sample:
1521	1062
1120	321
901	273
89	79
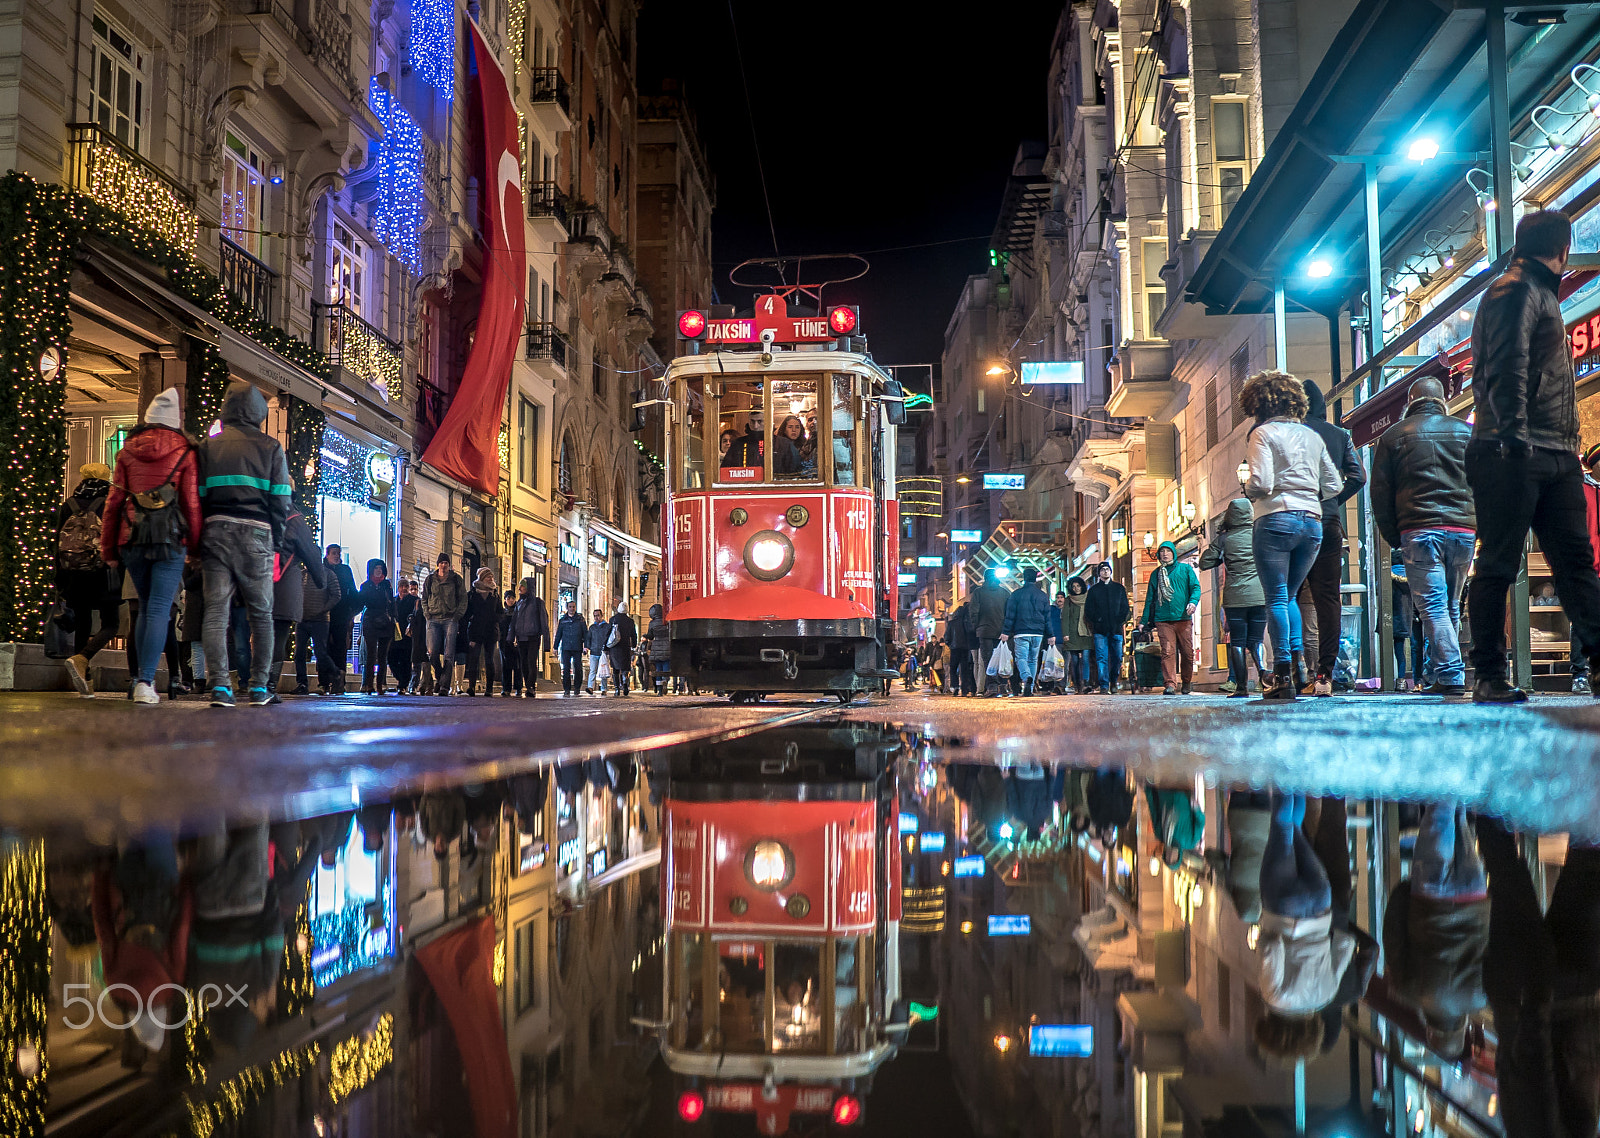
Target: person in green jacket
1170	598
1077	638
1177	819
1243	600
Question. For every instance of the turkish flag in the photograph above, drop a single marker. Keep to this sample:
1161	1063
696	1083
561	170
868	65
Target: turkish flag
467	444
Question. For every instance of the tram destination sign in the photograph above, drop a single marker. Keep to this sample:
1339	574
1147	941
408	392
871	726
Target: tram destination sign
771	314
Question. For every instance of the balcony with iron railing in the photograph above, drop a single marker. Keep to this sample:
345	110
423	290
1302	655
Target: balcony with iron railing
359	349
118	178
548	202
247	280
552	105
546	342
432	403
322	29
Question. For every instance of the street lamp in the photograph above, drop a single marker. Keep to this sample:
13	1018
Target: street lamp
1319	269
962	477
1149	539
998	368
1243	472
1422	149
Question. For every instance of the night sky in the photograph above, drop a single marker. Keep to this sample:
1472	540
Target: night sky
880	125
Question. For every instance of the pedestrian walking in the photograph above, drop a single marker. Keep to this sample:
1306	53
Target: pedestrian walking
1243	601
444	602
1401	618
1027	626
1542	977
1424	510
1582	683
320	591
660	642
191	624
620	644
1178	822
342	617
484	616
938	665
245	501
510	660
377	607
570	631
1077	638
1522	462
1171	596
405	614
298	557
1249	818
151	521
86	583
598	634
958	635
1290	473
986	611
530	630
1326	575
1106	609
1436	929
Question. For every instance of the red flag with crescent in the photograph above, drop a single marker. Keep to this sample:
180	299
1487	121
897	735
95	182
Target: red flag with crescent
467	444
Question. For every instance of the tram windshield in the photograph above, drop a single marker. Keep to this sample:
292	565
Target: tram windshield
802	428
796	997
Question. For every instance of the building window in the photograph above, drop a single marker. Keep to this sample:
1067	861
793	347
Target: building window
1238	372
599	379
1211	415
347	269
1146	73
981	409
117	70
1230	143
564	476
242	195
1152	255
525	975
527	442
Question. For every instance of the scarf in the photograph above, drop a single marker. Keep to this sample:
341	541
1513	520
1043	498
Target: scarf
1080	626
1162	580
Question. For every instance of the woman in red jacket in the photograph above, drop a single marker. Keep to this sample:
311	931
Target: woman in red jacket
152	519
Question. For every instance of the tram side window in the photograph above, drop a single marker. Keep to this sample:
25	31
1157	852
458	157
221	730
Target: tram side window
849	1014
742	990
691	990
691	444
845	431
794	443
742	439
797	997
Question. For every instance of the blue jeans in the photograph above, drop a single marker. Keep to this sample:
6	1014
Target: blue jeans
157	575
1436	570
1026	650
1286	544
1293	881
1103	646
1445	863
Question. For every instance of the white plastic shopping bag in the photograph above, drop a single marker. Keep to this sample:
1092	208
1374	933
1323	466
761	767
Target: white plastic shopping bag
1052	666
1000	662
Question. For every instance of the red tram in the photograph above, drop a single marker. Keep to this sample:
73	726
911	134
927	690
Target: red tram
782	923
781	502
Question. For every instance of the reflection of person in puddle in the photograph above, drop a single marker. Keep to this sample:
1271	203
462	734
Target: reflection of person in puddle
1303	957
1542	975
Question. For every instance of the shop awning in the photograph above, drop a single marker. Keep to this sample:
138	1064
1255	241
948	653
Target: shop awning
1396	67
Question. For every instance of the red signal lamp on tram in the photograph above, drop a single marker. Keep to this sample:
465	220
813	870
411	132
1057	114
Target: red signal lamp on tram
846	1110
691	324
692	1104
843	319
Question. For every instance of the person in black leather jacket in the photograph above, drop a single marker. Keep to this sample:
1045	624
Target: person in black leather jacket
1522	463
1107	611
1424	510
1322	583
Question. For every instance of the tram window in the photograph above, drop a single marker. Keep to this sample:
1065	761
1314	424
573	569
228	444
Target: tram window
848	1011
742	995
743	413
794	443
691	442
797	997
691	989
846	431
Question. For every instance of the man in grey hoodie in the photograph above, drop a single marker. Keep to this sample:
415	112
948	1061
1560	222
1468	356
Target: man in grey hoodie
244	497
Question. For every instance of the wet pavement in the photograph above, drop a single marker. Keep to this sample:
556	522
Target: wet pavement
918	914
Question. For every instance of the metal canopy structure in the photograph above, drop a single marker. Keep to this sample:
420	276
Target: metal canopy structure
1027	194
1398	70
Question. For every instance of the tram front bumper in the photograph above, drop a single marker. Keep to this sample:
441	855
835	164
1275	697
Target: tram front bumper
777	655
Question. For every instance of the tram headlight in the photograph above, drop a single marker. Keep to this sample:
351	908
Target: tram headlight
769	865
769	555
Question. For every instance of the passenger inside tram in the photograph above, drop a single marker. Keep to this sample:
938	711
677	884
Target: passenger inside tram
794	453
742	414
743	987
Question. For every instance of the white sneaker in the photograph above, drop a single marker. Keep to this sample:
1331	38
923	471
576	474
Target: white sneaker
145	693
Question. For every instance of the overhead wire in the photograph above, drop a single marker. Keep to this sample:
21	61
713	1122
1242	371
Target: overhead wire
755	139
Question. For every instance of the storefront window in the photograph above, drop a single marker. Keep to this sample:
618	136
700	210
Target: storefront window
846	432
794	445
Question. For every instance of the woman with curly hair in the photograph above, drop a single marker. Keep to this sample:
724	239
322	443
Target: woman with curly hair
1291	473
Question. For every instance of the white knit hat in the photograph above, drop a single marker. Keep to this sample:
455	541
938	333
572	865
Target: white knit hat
164	410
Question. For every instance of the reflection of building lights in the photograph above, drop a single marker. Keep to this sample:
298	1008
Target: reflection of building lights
27	1060
1197	895
1005	830
966	928
1252	937
1155	866
1002	1043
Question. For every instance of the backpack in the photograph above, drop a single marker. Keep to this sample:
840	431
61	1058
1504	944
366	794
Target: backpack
78	544
155	521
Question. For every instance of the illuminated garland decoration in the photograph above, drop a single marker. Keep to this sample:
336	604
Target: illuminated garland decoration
344	475
236	1097
41	226
345	942
360	1059
505	451
118	183
517	32
304	452
192	1048
297	987
399	212
369	355
650	455
24	988
433	44
500	963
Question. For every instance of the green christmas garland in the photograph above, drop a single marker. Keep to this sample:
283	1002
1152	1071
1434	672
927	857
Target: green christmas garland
41	227
24	987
